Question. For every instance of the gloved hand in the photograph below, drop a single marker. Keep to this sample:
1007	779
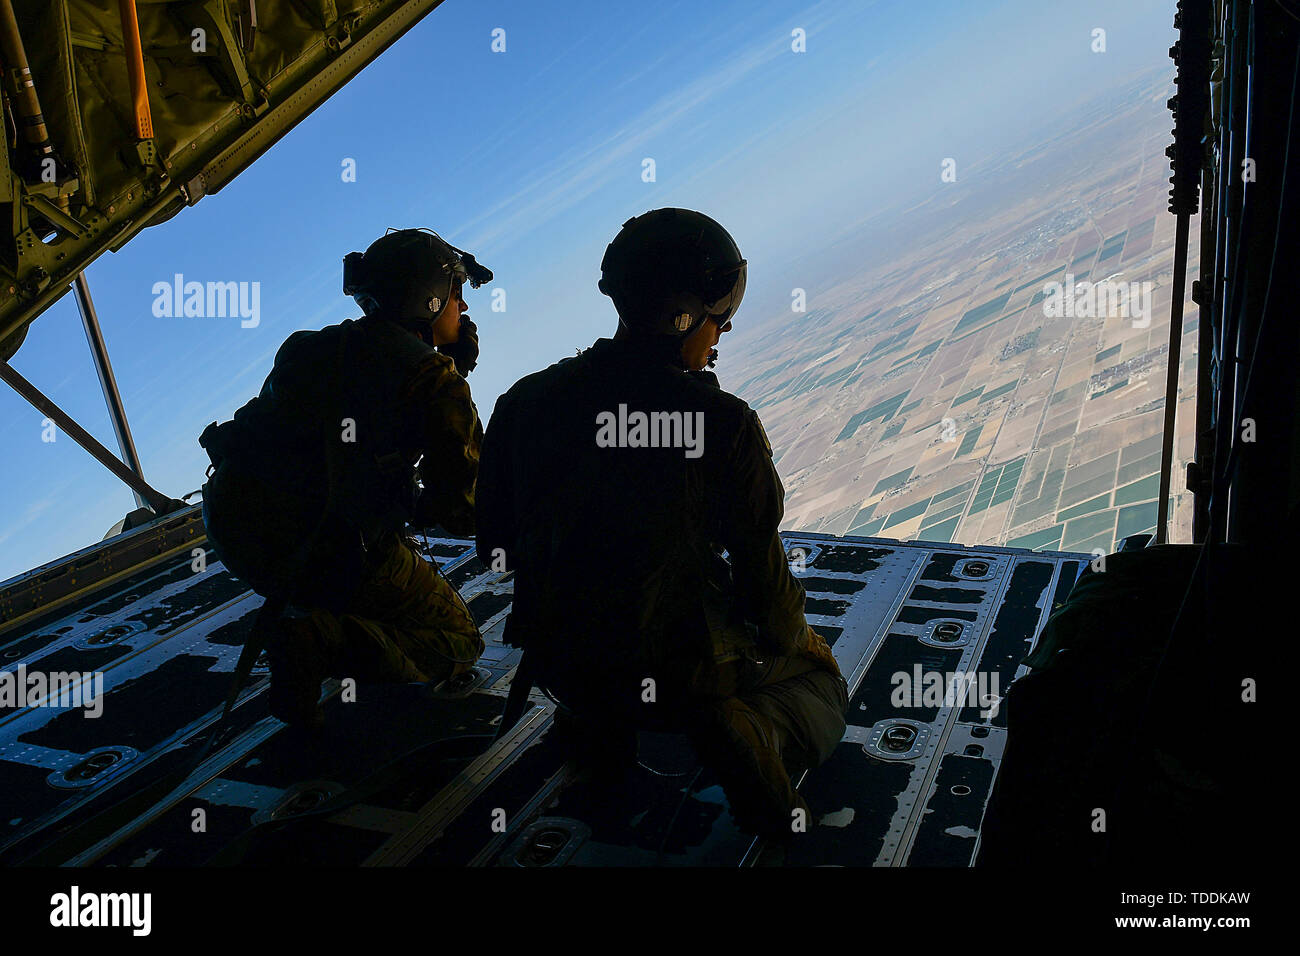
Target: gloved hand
464	351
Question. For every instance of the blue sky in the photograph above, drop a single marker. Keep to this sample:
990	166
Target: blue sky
531	159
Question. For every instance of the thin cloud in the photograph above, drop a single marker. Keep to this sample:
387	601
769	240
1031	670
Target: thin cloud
571	179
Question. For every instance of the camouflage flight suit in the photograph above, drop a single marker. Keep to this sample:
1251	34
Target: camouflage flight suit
384	612
616	550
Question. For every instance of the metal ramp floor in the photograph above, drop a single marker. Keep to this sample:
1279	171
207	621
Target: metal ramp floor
410	774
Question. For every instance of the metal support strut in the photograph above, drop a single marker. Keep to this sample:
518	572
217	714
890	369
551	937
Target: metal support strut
107	381
1174	370
156	500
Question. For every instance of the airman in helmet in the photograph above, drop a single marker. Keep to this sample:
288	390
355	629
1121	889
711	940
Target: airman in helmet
613	482
361	429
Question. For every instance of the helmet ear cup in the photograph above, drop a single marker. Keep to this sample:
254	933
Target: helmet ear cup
680	315
676	315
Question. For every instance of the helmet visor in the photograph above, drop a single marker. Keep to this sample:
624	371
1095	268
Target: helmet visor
724	307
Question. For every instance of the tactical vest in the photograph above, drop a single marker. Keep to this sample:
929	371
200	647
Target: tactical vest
330	424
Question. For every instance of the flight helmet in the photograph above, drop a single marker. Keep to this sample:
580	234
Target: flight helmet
409	274
670	269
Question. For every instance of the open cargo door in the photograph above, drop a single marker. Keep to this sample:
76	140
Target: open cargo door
120	112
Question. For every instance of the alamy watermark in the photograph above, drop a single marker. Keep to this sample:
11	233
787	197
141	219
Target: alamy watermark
128	910
651	430
946	689
1104	299
61	689
181	299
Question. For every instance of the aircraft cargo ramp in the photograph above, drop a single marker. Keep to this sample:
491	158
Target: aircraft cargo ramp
417	775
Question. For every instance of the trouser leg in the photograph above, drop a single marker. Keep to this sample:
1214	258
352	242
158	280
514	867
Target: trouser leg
768	720
807	705
405	623
799	694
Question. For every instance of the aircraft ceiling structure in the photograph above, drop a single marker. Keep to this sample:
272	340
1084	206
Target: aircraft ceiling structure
148	106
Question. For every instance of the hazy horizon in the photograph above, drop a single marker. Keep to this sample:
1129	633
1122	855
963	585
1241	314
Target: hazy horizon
820	163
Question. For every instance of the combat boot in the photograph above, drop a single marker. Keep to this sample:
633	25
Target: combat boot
299	663
743	747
